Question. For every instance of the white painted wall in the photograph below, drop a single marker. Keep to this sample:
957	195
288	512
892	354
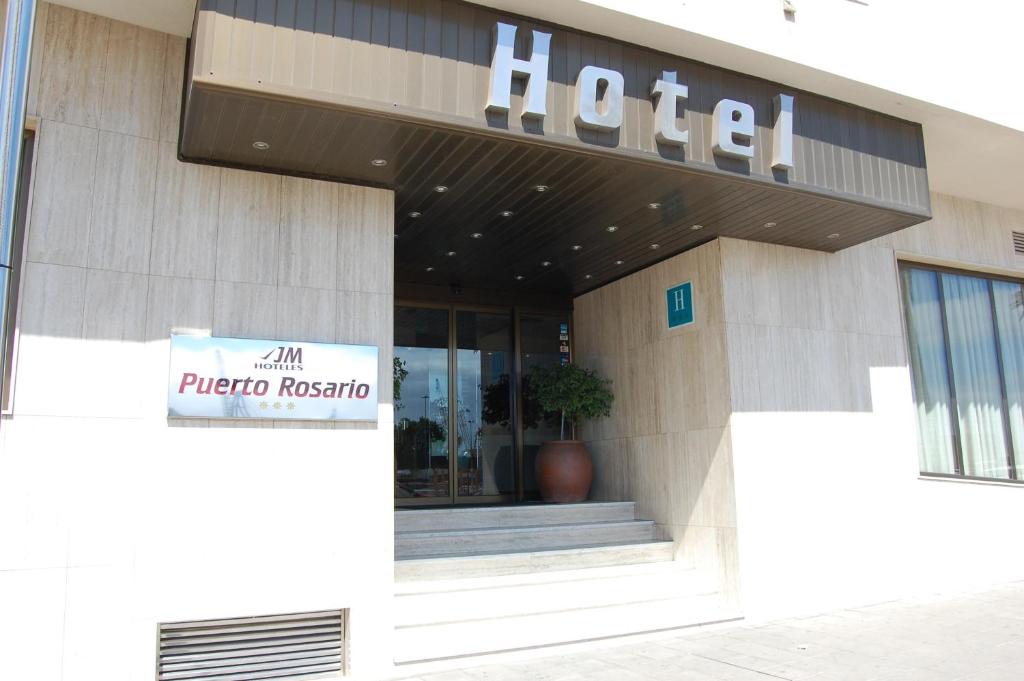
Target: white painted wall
112	517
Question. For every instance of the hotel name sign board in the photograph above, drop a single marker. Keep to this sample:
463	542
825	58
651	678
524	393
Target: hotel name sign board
241	378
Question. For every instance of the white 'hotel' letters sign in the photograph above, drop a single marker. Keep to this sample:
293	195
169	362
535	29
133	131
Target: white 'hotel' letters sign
732	127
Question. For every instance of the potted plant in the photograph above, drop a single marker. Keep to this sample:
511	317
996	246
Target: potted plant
564	469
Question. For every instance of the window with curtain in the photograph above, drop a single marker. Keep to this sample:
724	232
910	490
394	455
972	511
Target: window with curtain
966	340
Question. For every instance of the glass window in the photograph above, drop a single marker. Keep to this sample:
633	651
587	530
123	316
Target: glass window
966	339
927	341
1009	302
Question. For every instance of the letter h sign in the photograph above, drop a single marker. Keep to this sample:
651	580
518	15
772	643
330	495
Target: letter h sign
505	67
679	302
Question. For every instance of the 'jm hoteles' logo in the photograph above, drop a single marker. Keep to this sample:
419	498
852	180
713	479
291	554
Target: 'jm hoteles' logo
282	358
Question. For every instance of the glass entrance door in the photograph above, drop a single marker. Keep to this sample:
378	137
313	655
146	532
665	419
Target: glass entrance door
485	462
421	376
467	428
544	343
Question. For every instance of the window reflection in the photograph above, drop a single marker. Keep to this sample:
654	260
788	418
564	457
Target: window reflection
421	403
541	337
486	455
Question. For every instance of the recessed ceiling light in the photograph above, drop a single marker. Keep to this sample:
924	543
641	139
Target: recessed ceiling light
260	146
414	214
620	262
612	228
577	247
430	269
696	227
654	205
475	235
546	263
833	236
541	188
655	247
378	162
587	276
440	189
520	277
450	254
769	225
506	213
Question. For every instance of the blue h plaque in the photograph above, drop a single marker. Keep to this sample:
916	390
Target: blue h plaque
680	305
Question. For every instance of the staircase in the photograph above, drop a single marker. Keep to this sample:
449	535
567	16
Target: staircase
471	581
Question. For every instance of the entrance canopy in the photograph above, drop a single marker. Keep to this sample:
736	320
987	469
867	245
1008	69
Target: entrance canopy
531	156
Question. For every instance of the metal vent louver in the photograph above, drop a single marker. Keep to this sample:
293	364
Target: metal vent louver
1018	243
307	645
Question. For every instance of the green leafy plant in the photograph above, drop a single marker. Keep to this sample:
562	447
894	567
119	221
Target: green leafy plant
573	392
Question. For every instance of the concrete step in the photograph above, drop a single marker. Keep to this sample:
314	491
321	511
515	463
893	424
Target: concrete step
426	642
460	600
531	562
524	538
465	518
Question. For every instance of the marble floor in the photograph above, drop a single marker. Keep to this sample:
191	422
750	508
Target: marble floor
977	636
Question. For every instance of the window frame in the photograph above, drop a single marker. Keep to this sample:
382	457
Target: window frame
11	316
1013	457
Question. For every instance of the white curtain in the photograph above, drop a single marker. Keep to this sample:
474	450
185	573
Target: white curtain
1009	299
929	369
975	365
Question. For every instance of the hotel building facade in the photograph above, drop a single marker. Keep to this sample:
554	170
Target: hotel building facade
800	262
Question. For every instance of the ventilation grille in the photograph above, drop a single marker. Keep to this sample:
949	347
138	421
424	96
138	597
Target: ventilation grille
301	646
1018	242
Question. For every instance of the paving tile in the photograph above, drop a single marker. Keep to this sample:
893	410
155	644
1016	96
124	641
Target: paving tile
968	637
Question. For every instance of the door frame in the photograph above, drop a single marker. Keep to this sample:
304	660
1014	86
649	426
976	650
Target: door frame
515	313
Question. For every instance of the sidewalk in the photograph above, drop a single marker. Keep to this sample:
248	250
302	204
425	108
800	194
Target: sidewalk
967	637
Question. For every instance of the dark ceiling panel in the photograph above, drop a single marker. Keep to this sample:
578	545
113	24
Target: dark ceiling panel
486	175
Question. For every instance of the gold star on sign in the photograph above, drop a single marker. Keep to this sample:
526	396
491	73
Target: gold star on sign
291	405
263	405
277	405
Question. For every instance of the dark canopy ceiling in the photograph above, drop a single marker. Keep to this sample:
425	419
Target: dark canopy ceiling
658	211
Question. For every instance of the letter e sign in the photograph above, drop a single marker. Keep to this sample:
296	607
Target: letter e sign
679	301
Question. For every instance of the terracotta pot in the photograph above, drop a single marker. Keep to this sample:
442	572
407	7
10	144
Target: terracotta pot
564	471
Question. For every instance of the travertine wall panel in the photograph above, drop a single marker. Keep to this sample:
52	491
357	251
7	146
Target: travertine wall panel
248	227
965	232
309	244
823	428
133	85
125	245
809	449
184	230
666	444
115	306
74	57
180	303
63	208
122	206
